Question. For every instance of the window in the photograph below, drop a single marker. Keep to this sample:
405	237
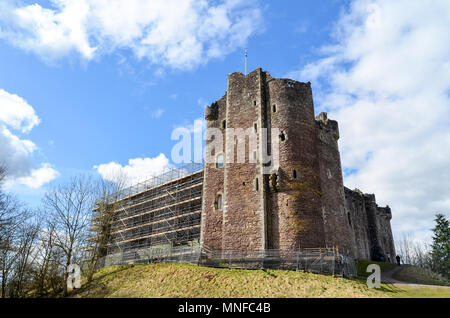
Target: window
282	136
294	174
254	155
254	102
224	124
256	127
256	184
219	162
290	84
274	108
218	203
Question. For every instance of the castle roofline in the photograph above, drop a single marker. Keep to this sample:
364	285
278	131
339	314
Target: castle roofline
270	77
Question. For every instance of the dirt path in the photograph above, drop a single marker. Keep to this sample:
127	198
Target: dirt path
387	278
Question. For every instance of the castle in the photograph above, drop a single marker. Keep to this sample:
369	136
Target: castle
228	204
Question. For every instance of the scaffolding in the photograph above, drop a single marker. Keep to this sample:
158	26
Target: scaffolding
164	210
314	260
159	221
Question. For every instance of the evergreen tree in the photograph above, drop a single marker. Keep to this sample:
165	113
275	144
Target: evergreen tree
441	246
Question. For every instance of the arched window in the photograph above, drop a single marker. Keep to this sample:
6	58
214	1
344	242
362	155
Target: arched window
224	124
282	136
219	202
294	174
274	108
219	162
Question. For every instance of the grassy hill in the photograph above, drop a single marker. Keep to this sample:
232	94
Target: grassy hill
419	275
183	280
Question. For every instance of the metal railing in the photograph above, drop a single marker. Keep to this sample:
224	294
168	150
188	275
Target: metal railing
315	260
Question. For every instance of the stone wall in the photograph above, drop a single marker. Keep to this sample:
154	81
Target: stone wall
384	231
302	202
338	231
213	182
357	216
371	226
295	206
243	212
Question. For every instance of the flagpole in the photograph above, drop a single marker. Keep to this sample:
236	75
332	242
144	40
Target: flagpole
245	59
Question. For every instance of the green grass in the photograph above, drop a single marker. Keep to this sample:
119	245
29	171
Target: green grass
362	267
407	291
183	280
420	275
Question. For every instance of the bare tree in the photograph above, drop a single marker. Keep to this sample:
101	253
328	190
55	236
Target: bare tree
12	217
101	222
48	277
69	206
27	236
43	257
404	248
413	252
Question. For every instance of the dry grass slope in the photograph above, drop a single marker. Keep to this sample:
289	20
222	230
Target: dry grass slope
419	275
182	280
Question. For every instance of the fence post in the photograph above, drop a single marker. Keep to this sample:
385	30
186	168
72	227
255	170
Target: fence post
334	259
306	262
298	258
321	260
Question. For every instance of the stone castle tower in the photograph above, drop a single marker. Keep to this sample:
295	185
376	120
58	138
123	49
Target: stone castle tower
301	202
271	180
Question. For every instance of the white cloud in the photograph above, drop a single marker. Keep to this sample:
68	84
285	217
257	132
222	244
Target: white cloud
16	113
137	169
38	177
386	79
177	33
15	153
157	113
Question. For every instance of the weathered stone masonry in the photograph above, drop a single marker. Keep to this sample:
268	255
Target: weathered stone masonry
301	204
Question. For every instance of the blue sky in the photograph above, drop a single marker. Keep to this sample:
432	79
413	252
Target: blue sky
105	90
